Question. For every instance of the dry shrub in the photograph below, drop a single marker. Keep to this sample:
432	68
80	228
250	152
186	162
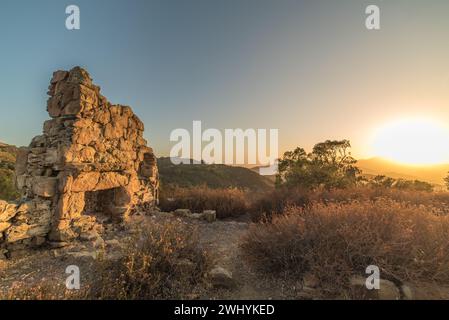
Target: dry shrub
227	202
277	201
337	240
42	291
164	262
439	201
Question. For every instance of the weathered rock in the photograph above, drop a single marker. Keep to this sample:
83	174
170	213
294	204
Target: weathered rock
310	280
408	292
387	289
38	241
59	76
44	186
17	232
113	243
220	277
89	235
91	159
210	215
7	211
196	216
84	254
182	212
4	226
3	254
57	244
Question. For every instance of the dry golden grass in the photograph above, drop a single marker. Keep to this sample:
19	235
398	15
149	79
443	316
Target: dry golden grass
163	262
42	291
277	201
227	202
336	240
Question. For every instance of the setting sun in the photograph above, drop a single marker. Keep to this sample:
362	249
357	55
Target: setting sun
413	141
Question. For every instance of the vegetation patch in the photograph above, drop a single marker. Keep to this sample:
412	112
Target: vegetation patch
336	240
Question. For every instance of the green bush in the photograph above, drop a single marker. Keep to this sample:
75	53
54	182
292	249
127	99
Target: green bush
8	189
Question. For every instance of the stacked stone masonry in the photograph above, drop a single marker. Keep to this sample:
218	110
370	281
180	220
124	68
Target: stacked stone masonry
91	158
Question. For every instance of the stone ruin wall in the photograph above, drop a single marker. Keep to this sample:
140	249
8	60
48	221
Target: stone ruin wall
91	157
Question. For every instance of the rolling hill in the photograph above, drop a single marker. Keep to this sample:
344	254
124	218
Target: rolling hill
212	175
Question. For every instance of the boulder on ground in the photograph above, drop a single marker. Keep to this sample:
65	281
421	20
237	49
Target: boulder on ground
210	215
182	212
387	290
220	277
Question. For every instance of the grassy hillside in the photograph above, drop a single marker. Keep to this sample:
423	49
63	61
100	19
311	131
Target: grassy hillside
212	175
7	160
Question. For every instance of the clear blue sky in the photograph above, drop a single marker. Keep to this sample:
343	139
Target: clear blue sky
308	68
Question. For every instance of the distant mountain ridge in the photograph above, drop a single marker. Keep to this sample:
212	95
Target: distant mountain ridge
378	166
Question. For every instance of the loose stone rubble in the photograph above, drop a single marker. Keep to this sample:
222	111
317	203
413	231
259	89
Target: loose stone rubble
91	159
207	215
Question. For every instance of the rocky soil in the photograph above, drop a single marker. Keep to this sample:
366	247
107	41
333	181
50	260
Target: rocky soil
231	277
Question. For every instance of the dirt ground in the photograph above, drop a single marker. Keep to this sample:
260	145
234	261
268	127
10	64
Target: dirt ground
220	238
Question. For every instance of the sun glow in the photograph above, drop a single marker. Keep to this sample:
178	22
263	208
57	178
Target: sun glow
413	141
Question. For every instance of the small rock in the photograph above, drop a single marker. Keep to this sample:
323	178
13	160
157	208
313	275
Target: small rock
17	254
196	216
57	244
4	226
89	236
210	215
38	241
407	292
310	281
387	289
8	212
182	212
3	253
220	277
83	254
112	243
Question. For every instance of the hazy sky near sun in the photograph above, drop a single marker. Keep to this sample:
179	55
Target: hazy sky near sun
309	68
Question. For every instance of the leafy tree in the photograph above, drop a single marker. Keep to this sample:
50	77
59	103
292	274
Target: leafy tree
414	185
329	165
382	181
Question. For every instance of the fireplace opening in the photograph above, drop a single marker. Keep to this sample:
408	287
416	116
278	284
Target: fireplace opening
107	205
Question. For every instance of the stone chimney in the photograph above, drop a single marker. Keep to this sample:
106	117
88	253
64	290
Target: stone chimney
90	161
